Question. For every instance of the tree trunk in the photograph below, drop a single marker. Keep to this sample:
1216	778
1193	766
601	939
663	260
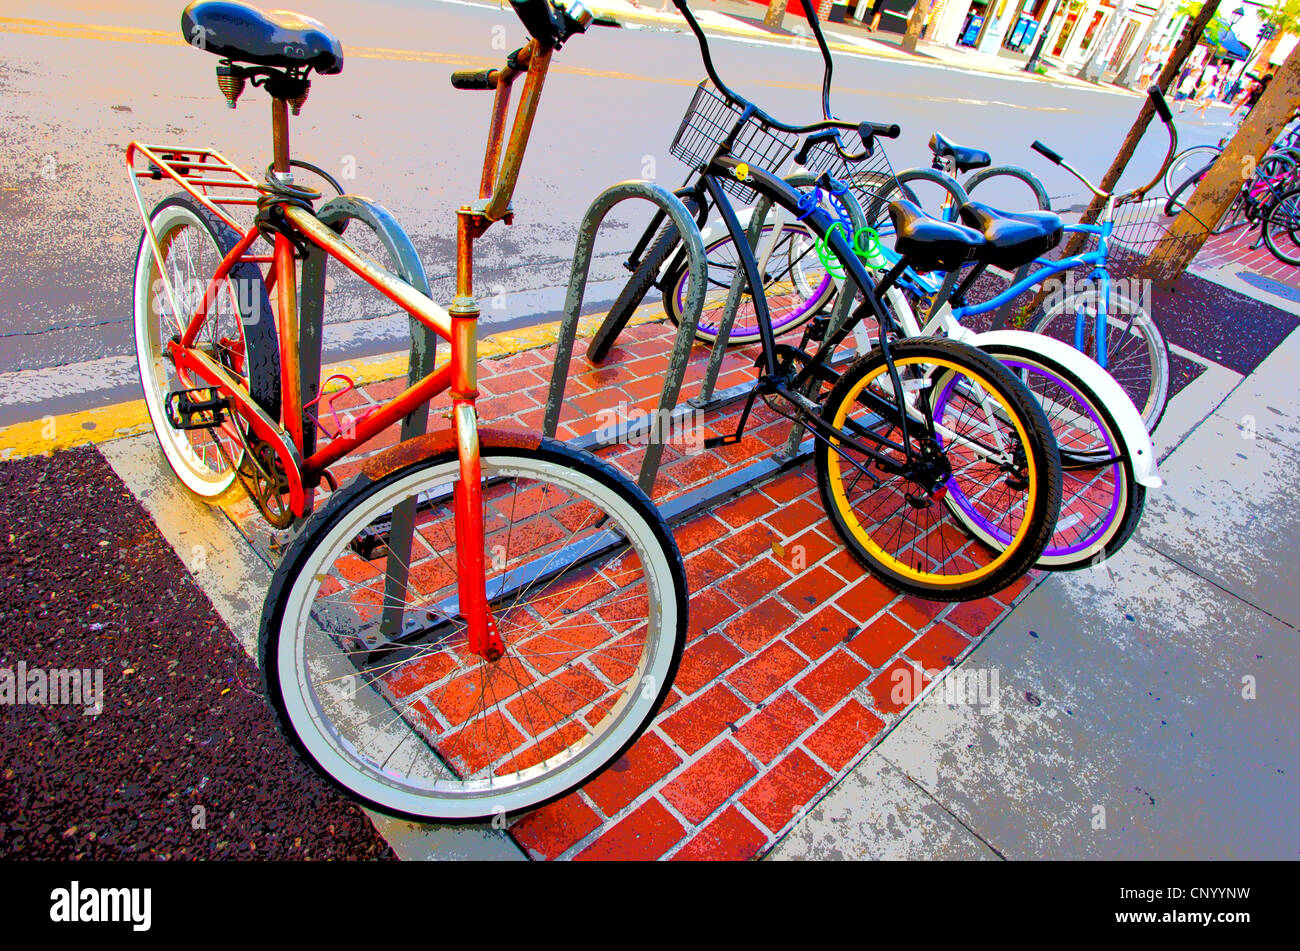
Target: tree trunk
1215	193
915	22
775	13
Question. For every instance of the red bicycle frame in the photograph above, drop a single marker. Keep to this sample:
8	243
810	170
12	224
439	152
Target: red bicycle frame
206	175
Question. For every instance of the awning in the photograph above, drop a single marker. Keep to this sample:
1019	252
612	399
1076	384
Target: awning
1231	47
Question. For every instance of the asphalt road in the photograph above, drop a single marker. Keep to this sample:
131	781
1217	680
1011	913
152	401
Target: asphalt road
79	81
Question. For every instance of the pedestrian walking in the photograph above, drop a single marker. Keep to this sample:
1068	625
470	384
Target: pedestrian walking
877	11
1205	91
1252	94
1186	88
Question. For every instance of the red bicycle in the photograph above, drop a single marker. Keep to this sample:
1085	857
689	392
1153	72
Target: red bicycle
482	620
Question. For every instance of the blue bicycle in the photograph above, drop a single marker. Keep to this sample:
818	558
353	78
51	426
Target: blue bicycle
1108	319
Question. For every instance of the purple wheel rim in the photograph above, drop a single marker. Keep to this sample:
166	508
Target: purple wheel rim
1052	550
743	329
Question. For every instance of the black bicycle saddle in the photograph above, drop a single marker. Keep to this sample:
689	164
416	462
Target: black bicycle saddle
965	159
929	244
1014	237
244	34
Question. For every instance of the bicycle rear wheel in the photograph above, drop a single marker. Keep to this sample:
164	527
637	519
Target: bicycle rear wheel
1101	502
1009	187
238	333
993	450
1282	227
1136	353
587	590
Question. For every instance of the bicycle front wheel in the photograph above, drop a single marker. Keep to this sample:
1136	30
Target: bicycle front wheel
587	590
796	285
1136	354
991	448
1189	163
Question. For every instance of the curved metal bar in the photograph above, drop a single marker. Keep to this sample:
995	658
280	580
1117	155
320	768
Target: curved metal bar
827	122
406	265
684	221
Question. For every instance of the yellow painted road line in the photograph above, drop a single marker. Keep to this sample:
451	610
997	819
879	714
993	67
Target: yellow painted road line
49	433
123	34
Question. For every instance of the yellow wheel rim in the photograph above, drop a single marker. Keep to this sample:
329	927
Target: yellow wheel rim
856	527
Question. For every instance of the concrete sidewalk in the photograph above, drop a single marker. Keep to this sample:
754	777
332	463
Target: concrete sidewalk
1145	708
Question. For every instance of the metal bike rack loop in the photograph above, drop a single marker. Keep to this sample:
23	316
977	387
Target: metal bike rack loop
424	343
698	268
796	449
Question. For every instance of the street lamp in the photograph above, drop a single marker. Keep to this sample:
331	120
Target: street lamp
1236	15
1032	65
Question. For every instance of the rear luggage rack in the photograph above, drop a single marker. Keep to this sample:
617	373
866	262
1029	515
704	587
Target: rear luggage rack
205	174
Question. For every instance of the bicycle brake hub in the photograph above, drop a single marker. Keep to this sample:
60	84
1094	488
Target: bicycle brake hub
931	474
1016	475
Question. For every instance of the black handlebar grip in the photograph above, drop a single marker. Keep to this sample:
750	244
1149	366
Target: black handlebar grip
540	19
815	139
891	131
473	79
1162	107
1047	153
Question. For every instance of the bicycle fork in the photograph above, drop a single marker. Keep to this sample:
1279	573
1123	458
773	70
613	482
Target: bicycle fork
471	560
1102	277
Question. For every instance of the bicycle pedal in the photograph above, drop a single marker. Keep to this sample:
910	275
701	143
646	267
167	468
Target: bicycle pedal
195	409
816	329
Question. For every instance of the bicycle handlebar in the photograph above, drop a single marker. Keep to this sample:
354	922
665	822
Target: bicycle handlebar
549	24
1047	153
865	129
1161	107
474	79
1158	103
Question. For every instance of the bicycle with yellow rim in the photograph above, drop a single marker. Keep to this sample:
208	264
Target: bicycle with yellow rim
937	466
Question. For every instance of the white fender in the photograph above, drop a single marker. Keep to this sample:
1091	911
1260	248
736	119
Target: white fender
1132	431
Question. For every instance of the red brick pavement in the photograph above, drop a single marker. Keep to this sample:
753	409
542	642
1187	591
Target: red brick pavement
787	680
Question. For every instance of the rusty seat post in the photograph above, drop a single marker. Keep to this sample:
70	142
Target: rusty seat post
287	91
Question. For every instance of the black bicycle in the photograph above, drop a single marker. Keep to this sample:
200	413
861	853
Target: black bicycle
936	465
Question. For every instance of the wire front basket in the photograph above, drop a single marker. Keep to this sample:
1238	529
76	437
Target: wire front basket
871	179
709	124
1139	228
